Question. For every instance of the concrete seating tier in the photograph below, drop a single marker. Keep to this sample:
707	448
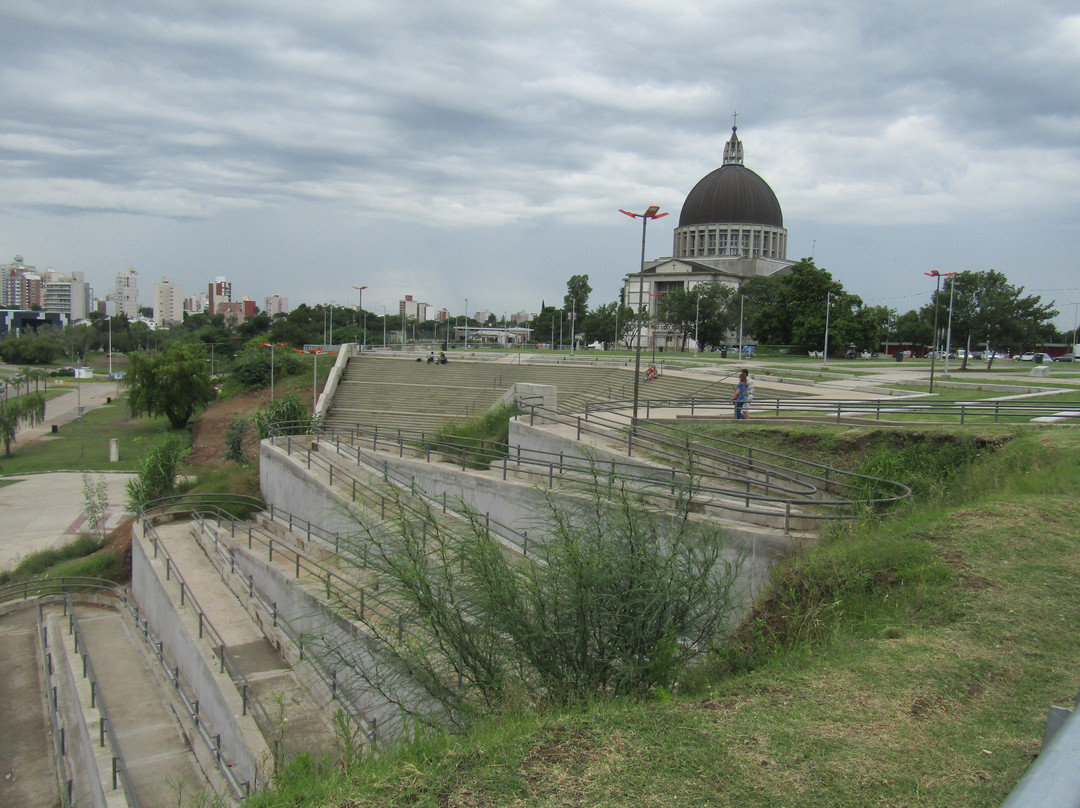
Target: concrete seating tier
402	393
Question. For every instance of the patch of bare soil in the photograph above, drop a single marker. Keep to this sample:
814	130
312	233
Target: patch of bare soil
208	434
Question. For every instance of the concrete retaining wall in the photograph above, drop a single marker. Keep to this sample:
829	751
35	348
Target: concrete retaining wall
220	705
82	752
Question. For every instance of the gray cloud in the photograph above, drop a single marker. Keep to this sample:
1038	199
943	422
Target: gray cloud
448	146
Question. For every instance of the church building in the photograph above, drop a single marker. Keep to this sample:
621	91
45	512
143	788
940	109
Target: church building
731	229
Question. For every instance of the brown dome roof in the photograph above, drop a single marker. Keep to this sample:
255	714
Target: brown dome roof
731	194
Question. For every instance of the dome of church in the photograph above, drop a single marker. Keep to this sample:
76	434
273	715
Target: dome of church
732	193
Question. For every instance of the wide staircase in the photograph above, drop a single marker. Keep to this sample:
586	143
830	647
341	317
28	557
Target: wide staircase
403	393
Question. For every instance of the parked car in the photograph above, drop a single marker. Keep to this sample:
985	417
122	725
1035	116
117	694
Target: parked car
1034	356
1068	357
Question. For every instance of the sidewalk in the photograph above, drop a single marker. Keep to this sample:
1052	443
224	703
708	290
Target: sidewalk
42	511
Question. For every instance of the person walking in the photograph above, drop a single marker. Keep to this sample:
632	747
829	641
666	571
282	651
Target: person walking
739	397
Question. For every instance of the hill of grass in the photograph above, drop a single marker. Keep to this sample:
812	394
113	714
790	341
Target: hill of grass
906	661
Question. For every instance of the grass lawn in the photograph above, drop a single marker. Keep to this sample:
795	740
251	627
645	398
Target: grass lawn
86	447
905	662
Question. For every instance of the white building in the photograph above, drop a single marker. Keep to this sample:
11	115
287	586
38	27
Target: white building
276	304
125	298
168	303
415	310
67	294
730	229
220	291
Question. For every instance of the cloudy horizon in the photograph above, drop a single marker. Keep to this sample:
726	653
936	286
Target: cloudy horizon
451	151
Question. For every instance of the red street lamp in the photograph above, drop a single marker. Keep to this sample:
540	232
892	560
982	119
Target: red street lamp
933	354
651	213
271	346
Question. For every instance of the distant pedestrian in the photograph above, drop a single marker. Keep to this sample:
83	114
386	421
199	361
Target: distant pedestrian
739	397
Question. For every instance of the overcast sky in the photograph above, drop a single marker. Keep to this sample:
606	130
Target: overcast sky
454	150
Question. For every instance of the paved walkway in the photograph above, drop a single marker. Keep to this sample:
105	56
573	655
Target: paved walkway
43	511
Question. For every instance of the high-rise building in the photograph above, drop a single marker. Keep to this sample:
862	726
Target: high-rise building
20	285
125	300
168	303
276	304
220	291
66	294
411	309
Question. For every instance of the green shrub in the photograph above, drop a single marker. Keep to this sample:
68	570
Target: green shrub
37	563
617	595
234	439
156	477
287	412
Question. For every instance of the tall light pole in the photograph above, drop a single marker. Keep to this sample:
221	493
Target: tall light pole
933	353
466	324
573	324
651	213
384	327
363	316
697	320
828	306
948	331
331	322
271	346
110	346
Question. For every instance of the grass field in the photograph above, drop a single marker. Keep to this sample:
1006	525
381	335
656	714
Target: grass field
904	662
85	446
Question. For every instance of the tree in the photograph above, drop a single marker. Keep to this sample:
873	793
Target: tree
175	384
619	592
577	296
607	324
704	310
793	309
986	308
28	408
545	326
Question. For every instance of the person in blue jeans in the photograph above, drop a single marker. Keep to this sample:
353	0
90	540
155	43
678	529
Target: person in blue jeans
739	397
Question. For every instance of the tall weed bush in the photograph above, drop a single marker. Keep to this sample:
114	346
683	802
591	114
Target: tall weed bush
156	477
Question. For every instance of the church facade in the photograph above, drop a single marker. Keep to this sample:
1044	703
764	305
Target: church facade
731	229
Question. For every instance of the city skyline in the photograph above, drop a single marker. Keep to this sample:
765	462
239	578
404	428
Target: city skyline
470	153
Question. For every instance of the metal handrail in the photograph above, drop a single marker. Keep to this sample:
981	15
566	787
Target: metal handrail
229	663
44	588
965	410
754	469
59	746
97	698
368	726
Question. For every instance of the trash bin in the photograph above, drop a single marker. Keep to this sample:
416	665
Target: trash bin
1038	359
723	353
899	356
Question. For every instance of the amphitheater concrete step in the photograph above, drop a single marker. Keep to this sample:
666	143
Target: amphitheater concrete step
162	767
301	721
27	766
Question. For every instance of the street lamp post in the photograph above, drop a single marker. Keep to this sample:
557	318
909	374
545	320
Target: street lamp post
933	353
384	327
828	306
573	324
697	321
466	324
271	346
948	331
110	346
651	213
363	316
